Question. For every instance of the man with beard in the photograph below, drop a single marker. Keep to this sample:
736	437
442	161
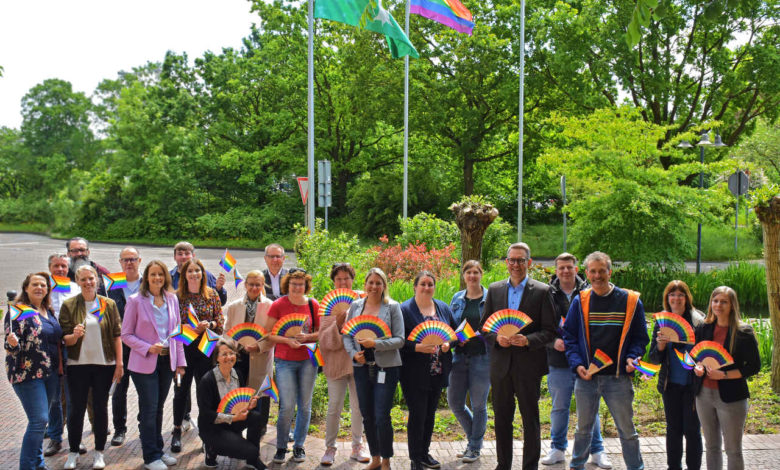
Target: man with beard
78	251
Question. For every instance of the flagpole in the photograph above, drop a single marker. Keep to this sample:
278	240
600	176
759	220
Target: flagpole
406	116
520	126
310	201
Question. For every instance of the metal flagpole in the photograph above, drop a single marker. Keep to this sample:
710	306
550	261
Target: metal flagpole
406	117
520	126
312	196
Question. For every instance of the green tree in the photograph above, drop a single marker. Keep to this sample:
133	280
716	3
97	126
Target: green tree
762	149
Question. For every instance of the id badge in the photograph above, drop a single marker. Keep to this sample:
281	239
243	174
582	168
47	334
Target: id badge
380	377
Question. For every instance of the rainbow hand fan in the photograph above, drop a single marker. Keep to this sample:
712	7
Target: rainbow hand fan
60	284
20	312
247	333
675	327
600	361
184	334
506	322
465	332
290	325
711	354
646	368
208	342
685	359
115	280
366	327
236	401
432	332
269	388
337	301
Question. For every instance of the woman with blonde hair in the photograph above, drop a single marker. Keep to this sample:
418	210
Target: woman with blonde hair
722	397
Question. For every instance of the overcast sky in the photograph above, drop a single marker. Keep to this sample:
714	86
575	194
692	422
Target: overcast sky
86	41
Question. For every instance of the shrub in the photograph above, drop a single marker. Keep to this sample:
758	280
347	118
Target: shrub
429	230
498	236
405	263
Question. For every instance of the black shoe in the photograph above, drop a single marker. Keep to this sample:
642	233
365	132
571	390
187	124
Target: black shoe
118	439
299	455
82	449
256	465
211	460
416	466
176	440
430	462
42	467
279	455
52	448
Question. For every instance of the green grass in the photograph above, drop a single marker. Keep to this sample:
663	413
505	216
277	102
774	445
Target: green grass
717	242
34	227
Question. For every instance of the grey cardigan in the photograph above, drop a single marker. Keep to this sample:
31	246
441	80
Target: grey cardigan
386	351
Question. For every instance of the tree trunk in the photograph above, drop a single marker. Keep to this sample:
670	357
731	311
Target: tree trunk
472	218
770	223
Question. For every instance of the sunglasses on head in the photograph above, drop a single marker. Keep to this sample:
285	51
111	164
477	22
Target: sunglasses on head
296	270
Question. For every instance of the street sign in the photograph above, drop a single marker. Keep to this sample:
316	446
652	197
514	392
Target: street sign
303	186
738	183
323	184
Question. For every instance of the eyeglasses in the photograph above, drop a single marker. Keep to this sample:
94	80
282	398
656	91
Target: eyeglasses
78	250
129	260
517	260
296	270
274	256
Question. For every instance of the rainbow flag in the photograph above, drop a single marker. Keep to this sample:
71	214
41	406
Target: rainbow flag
60	284
237	277
208	342
315	354
100	310
227	262
269	388
185	334
685	359
465	332
115	280
192	318
450	13
20	312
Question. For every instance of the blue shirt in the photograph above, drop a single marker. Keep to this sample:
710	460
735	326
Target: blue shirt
515	293
161	320
132	288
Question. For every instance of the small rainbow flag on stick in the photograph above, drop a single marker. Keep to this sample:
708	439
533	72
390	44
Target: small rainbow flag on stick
237	277
315	354
185	334
600	361
685	360
450	13
227	262
20	312
269	388
60	284
465	332
115	280
208	342
100	310
646	368
192	318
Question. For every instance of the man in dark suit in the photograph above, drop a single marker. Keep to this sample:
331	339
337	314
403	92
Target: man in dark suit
274	259
518	363
130	261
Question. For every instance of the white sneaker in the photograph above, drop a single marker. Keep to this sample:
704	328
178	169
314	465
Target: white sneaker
169	460
73	460
601	460
156	465
98	463
553	457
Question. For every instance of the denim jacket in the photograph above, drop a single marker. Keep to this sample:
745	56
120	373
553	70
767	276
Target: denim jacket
458	304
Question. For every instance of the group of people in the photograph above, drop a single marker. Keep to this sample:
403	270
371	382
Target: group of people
64	362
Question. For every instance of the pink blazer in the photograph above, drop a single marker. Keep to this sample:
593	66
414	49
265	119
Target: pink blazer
139	332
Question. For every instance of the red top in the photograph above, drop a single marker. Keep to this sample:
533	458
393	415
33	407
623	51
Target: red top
719	336
281	307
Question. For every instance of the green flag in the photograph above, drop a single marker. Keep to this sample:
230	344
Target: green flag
380	21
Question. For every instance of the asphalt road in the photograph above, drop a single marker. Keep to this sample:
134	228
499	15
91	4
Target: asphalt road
23	253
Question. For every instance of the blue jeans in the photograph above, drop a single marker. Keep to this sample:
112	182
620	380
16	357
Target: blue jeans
152	391
376	401
470	374
618	394
560	383
35	395
295	380
54	428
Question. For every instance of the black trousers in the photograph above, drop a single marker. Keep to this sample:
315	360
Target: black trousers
682	420
226	439
527	390
197	365
422	416
82	380
119	399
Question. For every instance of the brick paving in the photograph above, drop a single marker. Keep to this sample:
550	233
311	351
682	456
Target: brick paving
762	452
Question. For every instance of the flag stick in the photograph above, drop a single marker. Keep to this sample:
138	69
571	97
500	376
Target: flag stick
406	116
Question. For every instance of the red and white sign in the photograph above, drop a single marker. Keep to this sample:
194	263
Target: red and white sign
303	186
